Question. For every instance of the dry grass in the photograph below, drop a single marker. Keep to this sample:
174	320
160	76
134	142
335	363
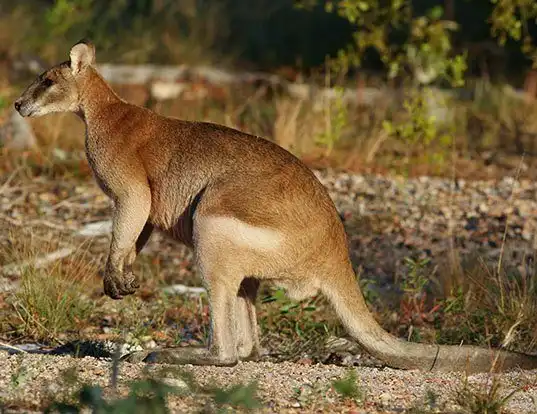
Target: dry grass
288	131
53	299
469	300
491	306
293	329
48	30
59	152
482	304
484	399
489	132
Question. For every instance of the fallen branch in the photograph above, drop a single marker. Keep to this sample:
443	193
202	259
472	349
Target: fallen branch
184	290
14	348
98	228
15	269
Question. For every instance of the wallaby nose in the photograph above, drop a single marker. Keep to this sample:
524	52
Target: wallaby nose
17	105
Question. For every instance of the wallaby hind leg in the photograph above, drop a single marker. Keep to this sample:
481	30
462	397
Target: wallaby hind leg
247	333
222	347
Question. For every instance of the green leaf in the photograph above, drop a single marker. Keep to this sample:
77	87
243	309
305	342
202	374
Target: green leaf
388	127
436	12
363	5
238	395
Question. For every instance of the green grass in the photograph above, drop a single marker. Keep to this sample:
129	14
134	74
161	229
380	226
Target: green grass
348	387
144	396
483	400
294	328
149	394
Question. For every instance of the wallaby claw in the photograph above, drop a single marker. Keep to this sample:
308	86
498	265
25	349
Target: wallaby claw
117	287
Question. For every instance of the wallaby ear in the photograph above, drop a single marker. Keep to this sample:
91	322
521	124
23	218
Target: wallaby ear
82	55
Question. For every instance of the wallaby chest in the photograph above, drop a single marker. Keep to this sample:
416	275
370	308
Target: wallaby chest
102	164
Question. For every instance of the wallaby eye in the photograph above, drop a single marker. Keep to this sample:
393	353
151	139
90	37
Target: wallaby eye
48	82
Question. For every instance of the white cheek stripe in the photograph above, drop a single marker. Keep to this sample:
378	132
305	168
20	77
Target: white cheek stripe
240	233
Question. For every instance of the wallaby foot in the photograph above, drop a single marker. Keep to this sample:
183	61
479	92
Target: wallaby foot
248	347
117	285
180	356
253	356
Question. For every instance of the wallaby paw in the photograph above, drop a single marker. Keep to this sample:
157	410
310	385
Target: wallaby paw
118	286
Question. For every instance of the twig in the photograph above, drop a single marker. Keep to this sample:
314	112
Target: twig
502	246
13	347
11	176
67	201
383	136
259	93
511	332
183	290
115	368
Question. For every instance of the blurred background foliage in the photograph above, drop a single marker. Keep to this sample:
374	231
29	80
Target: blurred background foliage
260	32
267	34
464	70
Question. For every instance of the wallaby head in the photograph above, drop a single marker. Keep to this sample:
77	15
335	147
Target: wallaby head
59	88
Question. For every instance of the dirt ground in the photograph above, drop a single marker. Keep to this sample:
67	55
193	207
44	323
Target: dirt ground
386	219
29	381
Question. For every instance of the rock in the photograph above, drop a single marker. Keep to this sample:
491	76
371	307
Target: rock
17	133
60	154
176	383
336	344
167	90
385	398
525	209
483	208
472	223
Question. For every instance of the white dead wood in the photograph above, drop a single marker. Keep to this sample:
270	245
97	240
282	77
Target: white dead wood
98	228
15	269
184	290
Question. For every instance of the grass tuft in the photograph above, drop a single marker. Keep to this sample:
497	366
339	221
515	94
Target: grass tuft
238	395
145	396
487	400
52	299
348	387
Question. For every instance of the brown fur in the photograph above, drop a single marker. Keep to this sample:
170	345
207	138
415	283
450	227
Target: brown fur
250	210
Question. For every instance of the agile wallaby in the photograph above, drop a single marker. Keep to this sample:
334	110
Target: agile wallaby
250	210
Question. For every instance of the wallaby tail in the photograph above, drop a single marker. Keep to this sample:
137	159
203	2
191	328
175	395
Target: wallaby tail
350	305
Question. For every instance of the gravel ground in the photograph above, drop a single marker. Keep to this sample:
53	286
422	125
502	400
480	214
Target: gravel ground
391	218
282	387
386	218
